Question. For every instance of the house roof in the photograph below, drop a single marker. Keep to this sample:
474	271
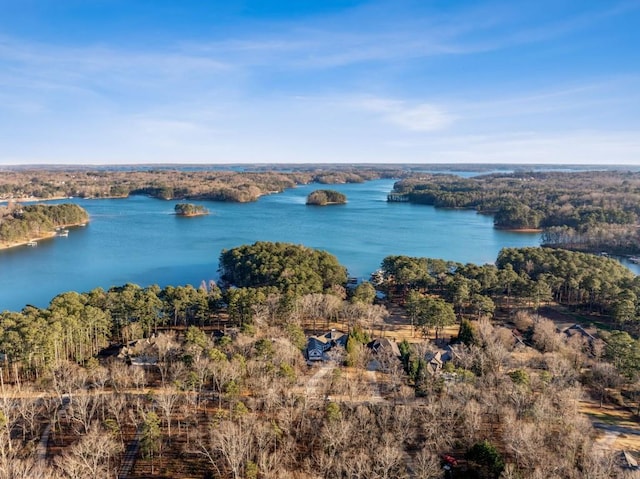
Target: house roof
333	335
385	344
436	360
629	460
576	329
318	339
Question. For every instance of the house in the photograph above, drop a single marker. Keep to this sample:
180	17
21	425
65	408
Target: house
628	461
386	352
435	361
384	345
577	330
318	346
138	353
518	338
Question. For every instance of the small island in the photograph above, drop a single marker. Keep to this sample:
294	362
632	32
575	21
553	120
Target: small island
326	197
189	210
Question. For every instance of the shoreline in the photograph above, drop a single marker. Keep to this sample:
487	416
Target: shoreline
520	230
328	203
35	199
48	235
191	215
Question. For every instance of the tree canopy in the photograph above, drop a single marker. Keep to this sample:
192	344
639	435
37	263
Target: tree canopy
288	267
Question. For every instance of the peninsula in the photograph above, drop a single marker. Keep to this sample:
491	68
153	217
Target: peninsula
591	211
21	225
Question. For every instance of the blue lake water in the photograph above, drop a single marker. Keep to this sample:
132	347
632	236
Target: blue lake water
139	240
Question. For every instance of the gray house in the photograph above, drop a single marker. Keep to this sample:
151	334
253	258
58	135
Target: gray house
384	345
318	346
436	360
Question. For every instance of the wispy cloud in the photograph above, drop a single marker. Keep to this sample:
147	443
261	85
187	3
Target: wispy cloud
598	100
414	117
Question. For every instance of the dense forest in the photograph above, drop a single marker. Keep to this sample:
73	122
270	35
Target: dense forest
284	267
19	224
326	197
212	381
537	276
592	211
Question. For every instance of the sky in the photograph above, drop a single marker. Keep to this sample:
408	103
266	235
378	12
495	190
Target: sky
330	81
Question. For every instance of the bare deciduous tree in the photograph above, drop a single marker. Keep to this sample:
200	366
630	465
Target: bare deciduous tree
167	400
230	441
90	457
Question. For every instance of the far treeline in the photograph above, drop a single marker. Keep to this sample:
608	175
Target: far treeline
589	211
20	223
175	183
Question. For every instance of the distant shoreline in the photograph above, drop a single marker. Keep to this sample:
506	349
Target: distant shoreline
33	199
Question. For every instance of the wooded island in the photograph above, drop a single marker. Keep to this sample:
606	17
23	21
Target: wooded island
188	209
326	197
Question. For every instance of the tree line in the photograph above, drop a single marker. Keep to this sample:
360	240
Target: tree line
530	276
266	282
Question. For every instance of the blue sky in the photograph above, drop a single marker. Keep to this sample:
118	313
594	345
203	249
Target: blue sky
393	81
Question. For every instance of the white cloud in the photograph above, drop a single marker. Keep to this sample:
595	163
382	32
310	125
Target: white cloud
414	117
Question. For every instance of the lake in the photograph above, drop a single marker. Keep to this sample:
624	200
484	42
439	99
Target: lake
140	240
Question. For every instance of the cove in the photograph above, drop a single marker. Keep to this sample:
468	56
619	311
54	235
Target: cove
140	240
